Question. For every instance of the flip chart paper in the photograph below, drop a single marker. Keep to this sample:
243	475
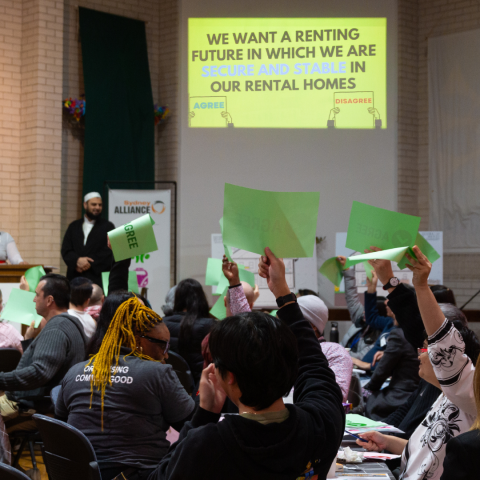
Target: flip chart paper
33	275
426	249
219	310
134	238
132	282
20	308
332	270
284	221
214	271
226	248
373	226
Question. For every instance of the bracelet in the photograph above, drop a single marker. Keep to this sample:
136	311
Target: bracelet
235	286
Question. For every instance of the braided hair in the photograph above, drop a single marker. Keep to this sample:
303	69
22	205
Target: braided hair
131	317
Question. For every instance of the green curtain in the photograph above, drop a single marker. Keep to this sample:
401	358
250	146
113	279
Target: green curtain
119	119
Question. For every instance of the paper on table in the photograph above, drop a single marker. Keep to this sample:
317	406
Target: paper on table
355	420
284	221
426	249
33	275
132	282
219	310
373	226
134	238
20	308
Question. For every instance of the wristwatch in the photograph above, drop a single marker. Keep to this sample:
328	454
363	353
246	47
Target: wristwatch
281	301
392	283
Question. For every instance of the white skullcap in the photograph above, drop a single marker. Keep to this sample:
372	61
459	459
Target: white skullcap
91	195
314	310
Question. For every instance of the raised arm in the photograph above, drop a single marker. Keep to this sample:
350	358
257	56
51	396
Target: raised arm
355	307
236	296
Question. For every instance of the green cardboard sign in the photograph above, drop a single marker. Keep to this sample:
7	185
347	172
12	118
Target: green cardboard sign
426	249
284	221
33	275
373	226
226	248
20	308
219	310
332	269
134	238
214	271
132	282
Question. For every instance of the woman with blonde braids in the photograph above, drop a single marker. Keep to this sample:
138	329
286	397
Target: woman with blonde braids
124	398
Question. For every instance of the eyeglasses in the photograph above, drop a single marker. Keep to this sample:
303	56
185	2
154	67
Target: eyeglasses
421	350
158	342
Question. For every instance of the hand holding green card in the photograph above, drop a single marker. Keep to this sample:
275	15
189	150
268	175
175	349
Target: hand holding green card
332	269
134	238
33	275
284	221
226	248
20	308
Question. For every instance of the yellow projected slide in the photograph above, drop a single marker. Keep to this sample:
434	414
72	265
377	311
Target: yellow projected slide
287	72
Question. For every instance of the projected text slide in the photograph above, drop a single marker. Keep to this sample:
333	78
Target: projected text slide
287	73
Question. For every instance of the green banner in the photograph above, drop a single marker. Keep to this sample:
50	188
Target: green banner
119	120
20	308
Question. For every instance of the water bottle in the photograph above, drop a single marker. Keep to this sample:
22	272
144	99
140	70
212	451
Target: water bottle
334	332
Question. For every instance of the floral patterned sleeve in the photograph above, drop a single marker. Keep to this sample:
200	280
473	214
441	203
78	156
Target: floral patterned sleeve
453	369
238	300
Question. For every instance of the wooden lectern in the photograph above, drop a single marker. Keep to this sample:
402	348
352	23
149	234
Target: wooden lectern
13	273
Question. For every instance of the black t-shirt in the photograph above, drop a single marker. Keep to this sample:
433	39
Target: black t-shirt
144	400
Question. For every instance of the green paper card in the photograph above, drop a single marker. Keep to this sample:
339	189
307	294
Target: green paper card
134	238
246	276
284	221
132	282
373	226
394	255
354	420
33	275
369	270
226	248
332	269
20	308
219	310
273	313
214	271
426	249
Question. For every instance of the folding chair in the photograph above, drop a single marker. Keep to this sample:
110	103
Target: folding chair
9	473
181	368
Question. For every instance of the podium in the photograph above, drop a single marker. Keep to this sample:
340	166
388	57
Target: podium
13	273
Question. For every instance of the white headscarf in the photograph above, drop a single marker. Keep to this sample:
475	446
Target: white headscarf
314	310
91	195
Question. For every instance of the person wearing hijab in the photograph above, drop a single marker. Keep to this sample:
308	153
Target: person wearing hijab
9	250
85	248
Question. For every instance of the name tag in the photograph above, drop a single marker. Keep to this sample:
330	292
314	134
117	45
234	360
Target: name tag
383	342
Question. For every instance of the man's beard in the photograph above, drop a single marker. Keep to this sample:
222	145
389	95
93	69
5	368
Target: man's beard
91	216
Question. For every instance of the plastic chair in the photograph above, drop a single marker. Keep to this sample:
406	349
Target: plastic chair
67	451
181	368
9	473
9	358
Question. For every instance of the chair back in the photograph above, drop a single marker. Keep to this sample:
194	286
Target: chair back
9	473
355	396
181	368
9	358
67	451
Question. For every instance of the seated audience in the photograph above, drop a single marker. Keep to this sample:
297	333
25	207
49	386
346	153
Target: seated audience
169	302
360	338
81	290
443	294
256	360
136	397
449	364
60	345
9	336
96	302
189	324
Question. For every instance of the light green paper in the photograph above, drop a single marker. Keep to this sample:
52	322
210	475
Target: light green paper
355	420
214	271
369	270
332	269
226	248
426	249
219	310
273	313
33	275
132	282
247	276
284	221
393	254
134	238
373	226
20	308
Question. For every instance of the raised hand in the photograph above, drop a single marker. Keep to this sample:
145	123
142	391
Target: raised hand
372	284
342	260
420	267
230	270
383	268
273	270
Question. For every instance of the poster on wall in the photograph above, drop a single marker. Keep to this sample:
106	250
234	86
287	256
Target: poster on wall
153	269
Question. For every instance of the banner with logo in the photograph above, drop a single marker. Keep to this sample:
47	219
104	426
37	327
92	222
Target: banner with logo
153	269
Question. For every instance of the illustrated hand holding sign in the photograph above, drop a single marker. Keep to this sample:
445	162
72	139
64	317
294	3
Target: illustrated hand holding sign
134	238
284	221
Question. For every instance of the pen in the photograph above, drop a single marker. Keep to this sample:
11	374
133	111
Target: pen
356	436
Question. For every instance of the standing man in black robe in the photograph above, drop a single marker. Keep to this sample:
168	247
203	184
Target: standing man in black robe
84	248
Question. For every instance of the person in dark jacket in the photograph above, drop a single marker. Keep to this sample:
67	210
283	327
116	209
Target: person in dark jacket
257	358
189	324
84	249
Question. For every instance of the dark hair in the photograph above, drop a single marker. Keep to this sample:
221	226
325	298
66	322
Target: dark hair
58	287
261	351
189	296
443	294
81	290
381	307
112	302
302	292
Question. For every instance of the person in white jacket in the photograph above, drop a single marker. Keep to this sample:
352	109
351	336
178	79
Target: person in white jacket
447	366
